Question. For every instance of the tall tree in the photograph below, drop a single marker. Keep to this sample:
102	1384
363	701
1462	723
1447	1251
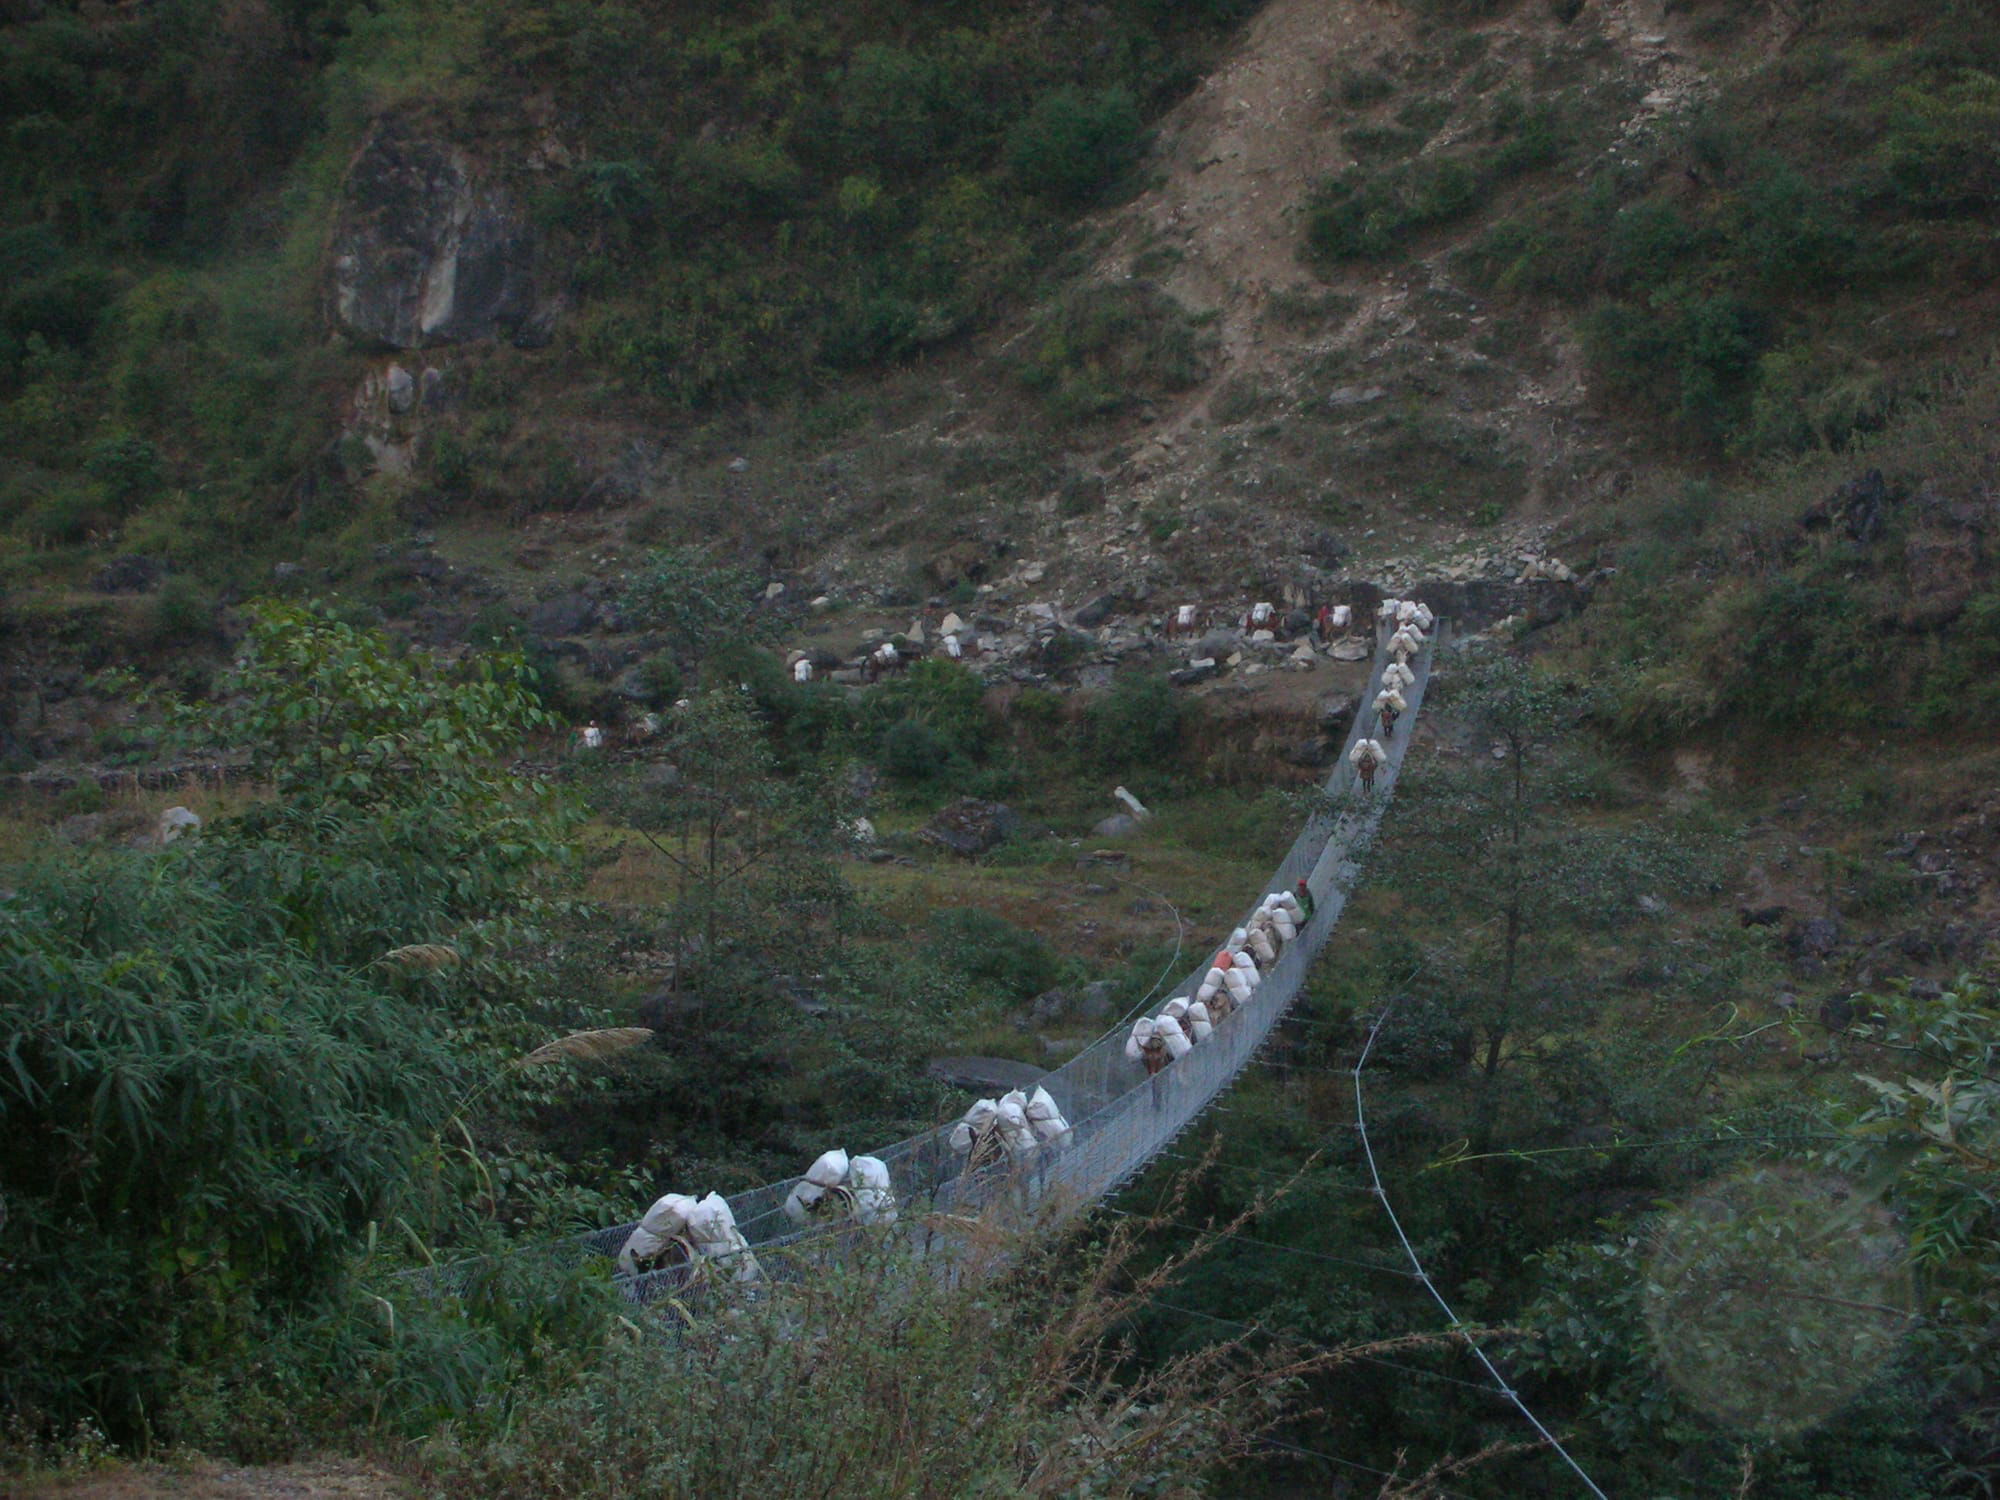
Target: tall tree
1502	836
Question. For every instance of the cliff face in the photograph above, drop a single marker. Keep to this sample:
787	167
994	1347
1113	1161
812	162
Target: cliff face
428	249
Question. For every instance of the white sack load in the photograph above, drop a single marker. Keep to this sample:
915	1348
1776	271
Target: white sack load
809	1198
1406	611
1238	984
1260	615
1140	1039
976	1122
666	1220
713	1229
1284	915
1262	948
1286	902
1343	616
1388	610
1184	617
1199	1018
802	670
1178	1043
1046	1118
1398	676
874	1195
1425	619
1174	1014
1248	965
1015	1132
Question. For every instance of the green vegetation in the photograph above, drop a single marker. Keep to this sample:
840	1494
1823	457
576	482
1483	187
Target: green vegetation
1734	275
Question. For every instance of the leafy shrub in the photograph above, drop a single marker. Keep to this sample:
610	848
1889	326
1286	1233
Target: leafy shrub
182	612
1072	143
1941	153
128	467
897	107
1103	347
1371	215
913	751
1011	962
1137	724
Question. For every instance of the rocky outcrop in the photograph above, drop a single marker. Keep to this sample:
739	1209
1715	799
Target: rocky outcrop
429	249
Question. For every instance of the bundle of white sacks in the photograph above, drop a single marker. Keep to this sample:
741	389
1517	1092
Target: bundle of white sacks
703	1228
1230	982
1017	1123
836	1186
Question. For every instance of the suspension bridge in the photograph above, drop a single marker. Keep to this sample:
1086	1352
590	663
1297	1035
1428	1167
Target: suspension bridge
1120	1118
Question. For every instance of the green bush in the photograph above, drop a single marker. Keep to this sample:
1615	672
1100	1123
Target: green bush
913	751
1010	962
182	612
1105	347
1072	143
1137	725
1941	152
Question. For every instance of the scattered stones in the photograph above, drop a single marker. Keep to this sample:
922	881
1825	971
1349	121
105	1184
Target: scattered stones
739	465
1048	1007
1117	826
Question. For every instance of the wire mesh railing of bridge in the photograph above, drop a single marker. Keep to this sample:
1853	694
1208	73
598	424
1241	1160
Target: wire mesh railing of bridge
1120	1118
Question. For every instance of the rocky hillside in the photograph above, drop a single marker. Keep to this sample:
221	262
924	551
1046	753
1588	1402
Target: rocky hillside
1107	317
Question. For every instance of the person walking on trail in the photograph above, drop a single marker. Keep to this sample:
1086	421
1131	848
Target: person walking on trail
1368	757
1389	704
590	737
1303	900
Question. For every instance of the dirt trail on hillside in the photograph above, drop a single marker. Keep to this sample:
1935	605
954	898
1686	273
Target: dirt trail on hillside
1239	156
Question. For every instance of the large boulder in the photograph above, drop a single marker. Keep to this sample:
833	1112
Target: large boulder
429	249
969	827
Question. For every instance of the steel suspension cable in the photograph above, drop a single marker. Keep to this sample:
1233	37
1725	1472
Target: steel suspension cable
1500	1382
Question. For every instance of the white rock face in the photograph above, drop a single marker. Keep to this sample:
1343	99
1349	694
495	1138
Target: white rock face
176	821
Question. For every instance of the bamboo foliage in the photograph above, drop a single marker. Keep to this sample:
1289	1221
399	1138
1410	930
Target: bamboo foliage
588	1046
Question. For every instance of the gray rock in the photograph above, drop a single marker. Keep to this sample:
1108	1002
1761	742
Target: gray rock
661	776
1354	395
284	574
1218	643
1195	671
1652	906
176	821
970	827
1815	938
1336	714
1117	826
739	465
566	614
1096	1000
401	387
433	391
988	1075
129	574
1096	612
1049	1006
429	249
